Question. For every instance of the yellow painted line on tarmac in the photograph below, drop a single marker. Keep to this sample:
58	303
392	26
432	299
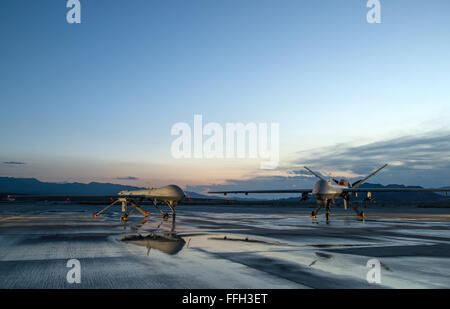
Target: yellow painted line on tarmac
10	218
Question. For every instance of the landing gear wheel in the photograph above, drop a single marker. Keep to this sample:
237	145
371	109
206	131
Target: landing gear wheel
362	215
125	217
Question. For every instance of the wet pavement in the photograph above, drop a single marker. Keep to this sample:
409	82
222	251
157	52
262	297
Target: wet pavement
222	247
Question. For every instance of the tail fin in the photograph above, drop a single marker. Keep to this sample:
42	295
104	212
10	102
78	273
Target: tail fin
359	182
317	175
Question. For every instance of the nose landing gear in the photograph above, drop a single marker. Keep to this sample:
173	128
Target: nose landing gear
165	215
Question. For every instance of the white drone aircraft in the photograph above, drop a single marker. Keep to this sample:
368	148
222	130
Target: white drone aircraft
327	191
169	195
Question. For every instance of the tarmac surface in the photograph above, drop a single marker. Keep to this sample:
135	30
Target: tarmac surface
222	247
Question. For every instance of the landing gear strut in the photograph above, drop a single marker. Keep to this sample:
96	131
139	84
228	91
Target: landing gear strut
328	204
327	214
125	201
172	205
165	215
360	214
315	212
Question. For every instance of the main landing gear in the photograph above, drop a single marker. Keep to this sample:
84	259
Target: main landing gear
134	206
125	201
328	204
361	215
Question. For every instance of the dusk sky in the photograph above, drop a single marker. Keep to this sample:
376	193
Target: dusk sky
96	101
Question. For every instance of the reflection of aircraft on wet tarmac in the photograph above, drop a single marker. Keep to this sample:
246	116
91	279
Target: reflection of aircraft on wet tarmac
327	191
169	195
168	242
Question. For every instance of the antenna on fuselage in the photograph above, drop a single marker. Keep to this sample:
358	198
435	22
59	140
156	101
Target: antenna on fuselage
315	174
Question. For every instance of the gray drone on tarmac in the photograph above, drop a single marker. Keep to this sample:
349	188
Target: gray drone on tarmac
327	191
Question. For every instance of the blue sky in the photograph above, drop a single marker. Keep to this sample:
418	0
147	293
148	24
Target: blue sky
96	101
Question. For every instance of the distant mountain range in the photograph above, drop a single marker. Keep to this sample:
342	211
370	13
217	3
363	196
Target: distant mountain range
10	185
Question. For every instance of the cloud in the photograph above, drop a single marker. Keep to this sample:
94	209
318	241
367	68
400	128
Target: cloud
428	152
302	173
14	163
127	178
